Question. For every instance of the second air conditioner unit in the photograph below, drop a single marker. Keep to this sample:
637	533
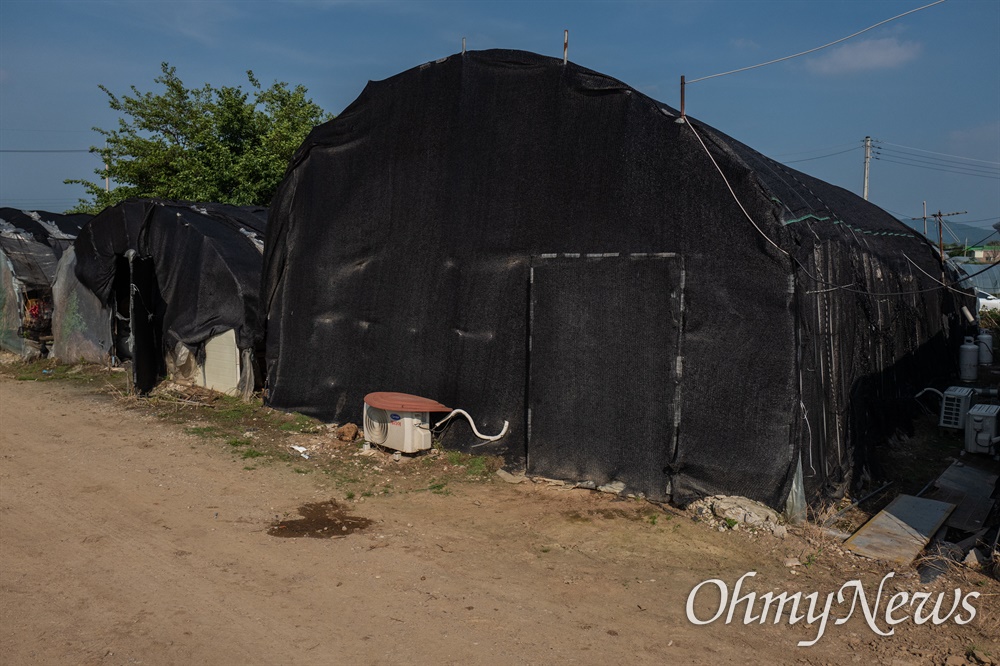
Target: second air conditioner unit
981	429
954	406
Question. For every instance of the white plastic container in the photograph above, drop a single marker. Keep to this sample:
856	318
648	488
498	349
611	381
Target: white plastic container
985	342
968	360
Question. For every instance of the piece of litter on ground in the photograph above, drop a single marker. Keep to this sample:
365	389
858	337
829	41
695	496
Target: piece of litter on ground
510	478
615	488
301	450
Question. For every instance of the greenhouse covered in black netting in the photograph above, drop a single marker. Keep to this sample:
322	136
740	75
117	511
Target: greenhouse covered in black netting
177	284
644	299
31	244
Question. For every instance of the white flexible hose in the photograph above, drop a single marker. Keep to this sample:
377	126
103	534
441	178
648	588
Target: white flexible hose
940	395
471	423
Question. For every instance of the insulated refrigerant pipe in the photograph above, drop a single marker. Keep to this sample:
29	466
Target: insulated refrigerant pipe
478	434
933	390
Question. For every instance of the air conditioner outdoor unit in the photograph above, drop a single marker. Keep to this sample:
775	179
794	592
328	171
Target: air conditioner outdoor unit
955	405
981	428
399	421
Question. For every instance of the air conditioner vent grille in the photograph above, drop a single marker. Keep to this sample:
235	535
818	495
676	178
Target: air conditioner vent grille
955	405
376	425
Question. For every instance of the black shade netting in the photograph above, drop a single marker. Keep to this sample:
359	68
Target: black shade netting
399	252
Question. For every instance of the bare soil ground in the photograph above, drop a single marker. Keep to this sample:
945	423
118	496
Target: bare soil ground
132	534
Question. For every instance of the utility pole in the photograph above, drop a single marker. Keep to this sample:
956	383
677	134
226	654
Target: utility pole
868	159
939	216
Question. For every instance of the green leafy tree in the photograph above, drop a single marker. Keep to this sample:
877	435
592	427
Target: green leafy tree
222	145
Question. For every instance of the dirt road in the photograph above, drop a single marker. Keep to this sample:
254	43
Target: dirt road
124	540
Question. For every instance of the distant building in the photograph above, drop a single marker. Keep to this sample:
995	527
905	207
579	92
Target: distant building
985	253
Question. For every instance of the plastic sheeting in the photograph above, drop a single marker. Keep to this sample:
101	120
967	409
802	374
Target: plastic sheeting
401	247
979	276
173	273
31	243
81	324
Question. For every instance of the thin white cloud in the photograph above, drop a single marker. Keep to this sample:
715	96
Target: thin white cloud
744	44
202	22
869	54
977	143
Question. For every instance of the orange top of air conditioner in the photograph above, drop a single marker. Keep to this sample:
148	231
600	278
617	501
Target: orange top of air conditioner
403	402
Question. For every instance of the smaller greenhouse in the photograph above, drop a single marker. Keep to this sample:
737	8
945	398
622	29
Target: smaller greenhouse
172	289
31	243
985	277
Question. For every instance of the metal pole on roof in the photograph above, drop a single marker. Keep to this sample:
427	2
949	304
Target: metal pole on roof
683	85
565	46
925	218
868	159
463	45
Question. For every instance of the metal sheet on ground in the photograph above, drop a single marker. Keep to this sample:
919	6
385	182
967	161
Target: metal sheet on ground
901	530
969	488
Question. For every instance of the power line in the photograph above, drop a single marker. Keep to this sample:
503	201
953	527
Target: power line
938	162
63	131
8	150
944	167
903	217
933	153
921	166
818	48
820	157
816	150
45	200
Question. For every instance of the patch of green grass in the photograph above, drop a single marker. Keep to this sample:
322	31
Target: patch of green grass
251	453
38	371
349	495
238	441
474	465
250	468
438	487
731	523
302	424
230	409
300	470
50	369
477	466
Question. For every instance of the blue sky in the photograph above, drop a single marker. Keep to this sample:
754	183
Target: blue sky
926	86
